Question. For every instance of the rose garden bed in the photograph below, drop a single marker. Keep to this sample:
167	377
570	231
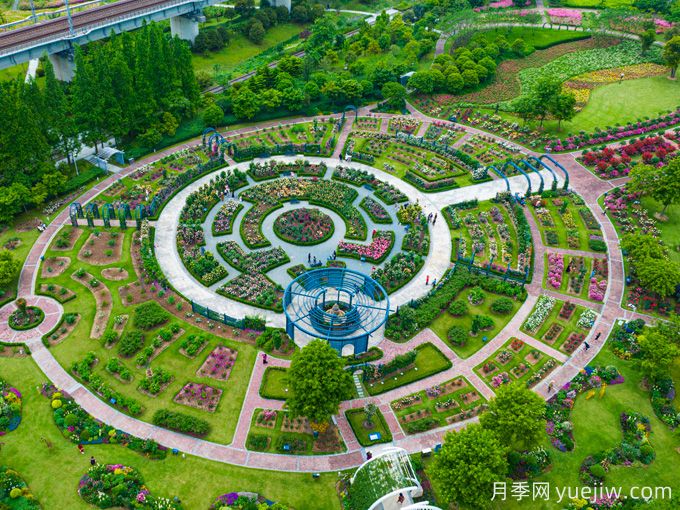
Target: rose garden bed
560	326
198	395
304	226
218	364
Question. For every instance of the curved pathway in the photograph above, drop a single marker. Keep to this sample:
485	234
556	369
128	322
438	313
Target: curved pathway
586	184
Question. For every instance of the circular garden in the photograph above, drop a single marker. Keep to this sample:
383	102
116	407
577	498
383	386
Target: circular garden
304	226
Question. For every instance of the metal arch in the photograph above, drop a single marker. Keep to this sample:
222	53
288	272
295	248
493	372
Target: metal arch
552	172
76	210
108	211
206	132
500	174
125	209
354	108
534	169
92	209
520	170
558	165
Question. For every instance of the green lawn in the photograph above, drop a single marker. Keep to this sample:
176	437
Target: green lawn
670	230
429	361
240	48
11	73
619	103
598	4
275	384
357	418
443	323
24	450
223	420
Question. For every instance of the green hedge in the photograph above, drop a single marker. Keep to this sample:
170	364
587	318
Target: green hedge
181	423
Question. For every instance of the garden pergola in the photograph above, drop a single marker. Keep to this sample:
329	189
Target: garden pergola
341	306
379	481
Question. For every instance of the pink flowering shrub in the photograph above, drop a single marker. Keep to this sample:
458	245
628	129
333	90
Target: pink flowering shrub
555	269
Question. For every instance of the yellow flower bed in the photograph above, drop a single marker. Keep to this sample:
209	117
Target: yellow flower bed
632	72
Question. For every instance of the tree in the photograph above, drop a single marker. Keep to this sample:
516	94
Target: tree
256	32
647	39
516	415
394	93
658	275
213	115
661	183
563	108
8	267
422	82
245	103
319	382
658	354
470	78
468	464
244	8
454	83
671	54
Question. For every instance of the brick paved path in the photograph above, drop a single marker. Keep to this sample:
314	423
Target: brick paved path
586	184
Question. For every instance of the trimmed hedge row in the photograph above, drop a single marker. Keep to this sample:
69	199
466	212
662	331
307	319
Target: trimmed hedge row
181	422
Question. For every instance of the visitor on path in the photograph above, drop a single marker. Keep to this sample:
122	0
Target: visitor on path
434	282
586	345
93	462
81	449
400	499
435	219
369	455
551	385
597	337
309	258
427	280
264	358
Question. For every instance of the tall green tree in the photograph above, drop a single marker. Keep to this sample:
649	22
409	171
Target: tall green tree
657	354
9	267
516	415
319	382
671	54
467	466
661	183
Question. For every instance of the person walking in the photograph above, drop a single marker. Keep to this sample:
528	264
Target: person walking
427	280
434	282
400	499
586	345
264	358
599	334
551	385
93	462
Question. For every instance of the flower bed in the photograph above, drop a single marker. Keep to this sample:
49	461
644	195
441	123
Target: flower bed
219	363
260	261
398	271
518	362
375	210
25	317
304	226
255	289
611	163
543	307
559	407
198	395
155	381
10	408
555	269
224	220
385	192
14	492
376	252
272	169
116	485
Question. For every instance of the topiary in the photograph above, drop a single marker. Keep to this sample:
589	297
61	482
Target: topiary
457	335
56	404
597	471
15	493
502	305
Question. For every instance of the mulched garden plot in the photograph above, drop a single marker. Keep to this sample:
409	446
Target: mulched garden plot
199	351
158	350
199	396
218	364
573	342
66	239
464	415
63	331
553	333
119	324
61	294
12	351
419	414
449	387
102	249
532	358
54	266
300	425
266	418
115	273
328	441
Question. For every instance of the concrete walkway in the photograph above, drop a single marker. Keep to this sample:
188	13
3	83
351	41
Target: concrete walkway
582	181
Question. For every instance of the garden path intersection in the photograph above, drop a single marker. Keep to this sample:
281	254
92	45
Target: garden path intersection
582	181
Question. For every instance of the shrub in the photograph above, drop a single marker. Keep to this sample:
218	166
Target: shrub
457	335
130	343
502	306
597	471
458	308
257	442
597	245
110	337
480	322
181	422
150	315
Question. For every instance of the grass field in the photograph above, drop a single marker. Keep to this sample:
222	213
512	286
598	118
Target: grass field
275	384
670	230
240	49
539	38
619	103
195	481
597	4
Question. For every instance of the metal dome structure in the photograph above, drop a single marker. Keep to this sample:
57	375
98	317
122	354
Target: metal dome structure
341	306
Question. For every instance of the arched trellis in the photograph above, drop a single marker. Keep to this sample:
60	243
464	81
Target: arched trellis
122	217
531	167
140	214
108	212
520	170
351	107
540	163
75	211
558	165
499	174
125	208
206	132
92	209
